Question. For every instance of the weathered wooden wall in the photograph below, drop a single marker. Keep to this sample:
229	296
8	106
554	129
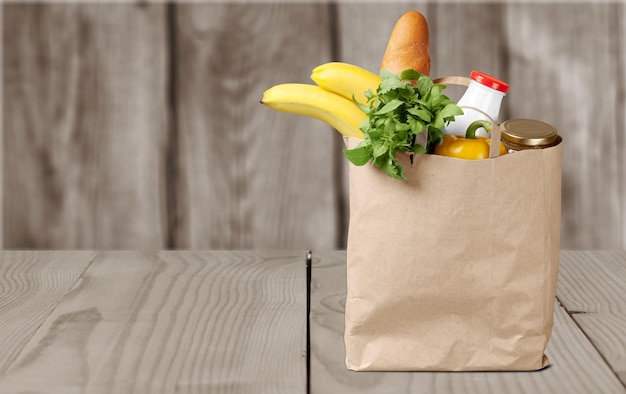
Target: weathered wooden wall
86	126
139	125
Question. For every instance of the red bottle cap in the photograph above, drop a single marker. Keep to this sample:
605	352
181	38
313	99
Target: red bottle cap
489	81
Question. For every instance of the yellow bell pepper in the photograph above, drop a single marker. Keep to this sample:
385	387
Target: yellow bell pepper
469	147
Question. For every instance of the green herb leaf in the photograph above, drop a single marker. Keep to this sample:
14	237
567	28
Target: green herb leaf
358	156
379	149
417	126
450	111
392	169
396	113
389	82
438	122
423	115
424	85
390	106
410	75
419	149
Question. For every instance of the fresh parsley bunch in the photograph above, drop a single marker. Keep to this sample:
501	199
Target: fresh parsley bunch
396	113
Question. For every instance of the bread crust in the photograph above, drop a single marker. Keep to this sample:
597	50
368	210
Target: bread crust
408	45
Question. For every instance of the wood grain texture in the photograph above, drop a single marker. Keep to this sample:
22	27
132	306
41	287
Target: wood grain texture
607	332
592	288
218	322
84	123
466	37
569	74
1	131
620	122
576	367
138	125
592	281
249	176
31	286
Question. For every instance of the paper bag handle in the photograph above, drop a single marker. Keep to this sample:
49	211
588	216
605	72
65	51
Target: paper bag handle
494	150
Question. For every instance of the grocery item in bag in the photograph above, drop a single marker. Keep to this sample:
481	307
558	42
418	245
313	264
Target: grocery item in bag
522	134
481	101
408	45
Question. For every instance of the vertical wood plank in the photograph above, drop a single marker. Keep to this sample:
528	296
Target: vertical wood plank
364	29
84	122
85	104
1	128
466	37
248	176
620	123
174	322
566	71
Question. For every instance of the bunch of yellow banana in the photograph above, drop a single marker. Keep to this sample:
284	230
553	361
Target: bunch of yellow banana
331	100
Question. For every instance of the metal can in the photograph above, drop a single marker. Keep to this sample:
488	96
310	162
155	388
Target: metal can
522	134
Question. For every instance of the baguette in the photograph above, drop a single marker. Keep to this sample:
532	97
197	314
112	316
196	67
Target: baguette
408	45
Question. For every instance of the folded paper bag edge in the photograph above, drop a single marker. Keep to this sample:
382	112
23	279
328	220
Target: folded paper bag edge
545	363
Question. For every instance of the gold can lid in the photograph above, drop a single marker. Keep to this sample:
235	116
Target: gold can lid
529	132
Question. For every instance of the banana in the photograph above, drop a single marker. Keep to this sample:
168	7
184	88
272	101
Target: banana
310	100
345	79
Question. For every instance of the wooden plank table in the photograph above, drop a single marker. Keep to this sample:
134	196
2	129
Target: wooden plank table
236	322
587	350
160	322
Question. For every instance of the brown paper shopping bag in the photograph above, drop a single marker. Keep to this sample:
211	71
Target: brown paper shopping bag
455	268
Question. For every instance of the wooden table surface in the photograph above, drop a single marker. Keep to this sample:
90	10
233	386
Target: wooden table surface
236	322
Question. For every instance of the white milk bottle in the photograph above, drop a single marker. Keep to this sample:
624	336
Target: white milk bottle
485	93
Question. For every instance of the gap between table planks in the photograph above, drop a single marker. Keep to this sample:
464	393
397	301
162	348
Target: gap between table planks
163	322
576	366
591	290
587	289
31	285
